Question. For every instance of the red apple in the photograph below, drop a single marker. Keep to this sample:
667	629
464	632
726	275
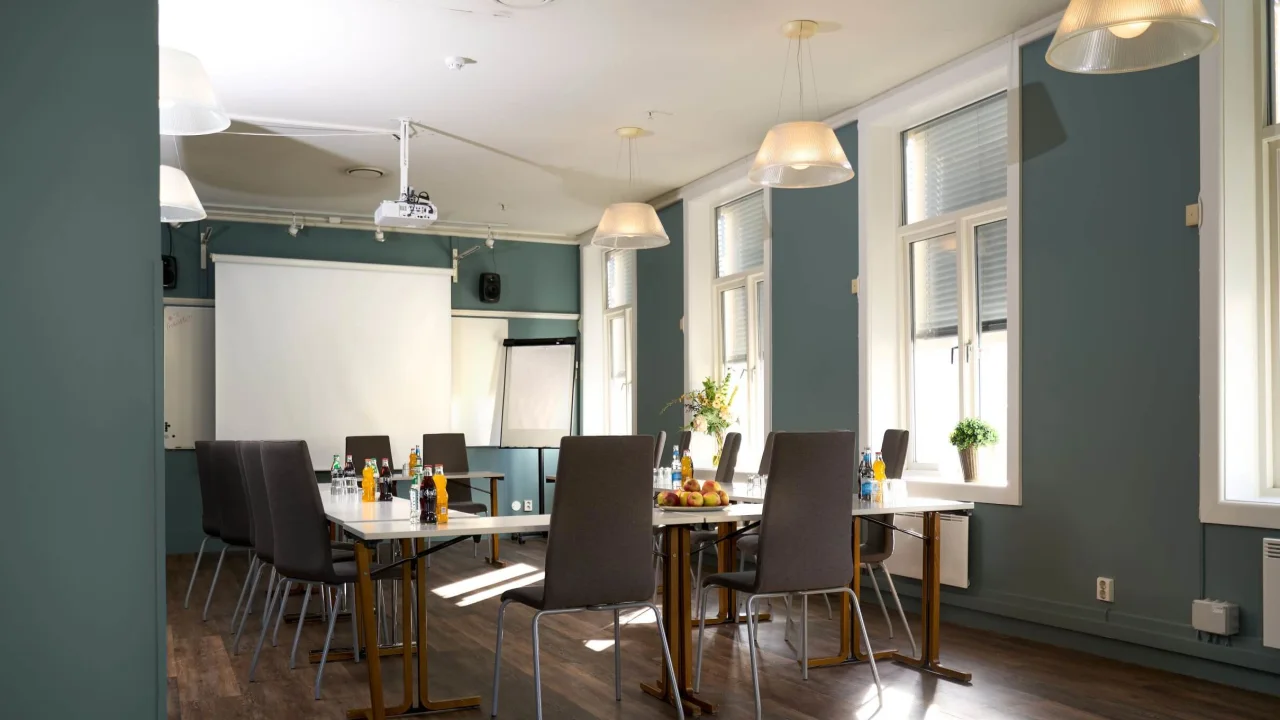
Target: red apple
693	499
711	499
669	499
709	486
690	485
724	497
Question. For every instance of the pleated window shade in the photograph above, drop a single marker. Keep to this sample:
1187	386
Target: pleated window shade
956	161
740	235
620	278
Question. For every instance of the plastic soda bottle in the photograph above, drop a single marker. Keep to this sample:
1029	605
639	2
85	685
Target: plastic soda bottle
442	495
370	484
415	500
686	465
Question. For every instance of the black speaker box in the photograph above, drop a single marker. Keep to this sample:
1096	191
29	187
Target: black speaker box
490	287
169	263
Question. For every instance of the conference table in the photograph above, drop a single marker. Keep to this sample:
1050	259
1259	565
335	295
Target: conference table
493	478
391	524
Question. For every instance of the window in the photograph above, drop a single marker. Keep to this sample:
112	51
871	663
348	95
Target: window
954	237
739	301
620	285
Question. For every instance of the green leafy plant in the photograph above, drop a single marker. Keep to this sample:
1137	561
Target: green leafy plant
973	432
709	407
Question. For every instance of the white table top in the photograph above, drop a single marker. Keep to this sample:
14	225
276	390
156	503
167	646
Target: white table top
741	492
346	509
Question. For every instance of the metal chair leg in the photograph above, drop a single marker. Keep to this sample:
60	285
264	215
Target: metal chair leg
537	669
497	659
751	642
888	576
272	597
617	655
871	656
702	629
284	600
827	600
302	618
804	637
253	590
666	655
221	556
328	638
192	583
880	599
244	587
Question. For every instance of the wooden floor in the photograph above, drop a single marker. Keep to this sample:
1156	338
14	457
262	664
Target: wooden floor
1012	678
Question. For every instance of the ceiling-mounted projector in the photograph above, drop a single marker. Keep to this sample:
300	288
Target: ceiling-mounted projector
413	209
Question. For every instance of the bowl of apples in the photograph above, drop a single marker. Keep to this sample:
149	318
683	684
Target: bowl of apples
694	497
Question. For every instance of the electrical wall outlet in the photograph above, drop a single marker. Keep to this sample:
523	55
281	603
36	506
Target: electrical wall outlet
1106	589
1193	215
528	506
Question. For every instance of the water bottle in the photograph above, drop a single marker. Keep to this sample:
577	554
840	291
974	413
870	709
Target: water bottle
415	514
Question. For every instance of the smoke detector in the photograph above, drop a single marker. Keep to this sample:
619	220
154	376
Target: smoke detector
366	173
457	62
524	4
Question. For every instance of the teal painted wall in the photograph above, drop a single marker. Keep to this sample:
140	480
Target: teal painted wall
659	340
815	316
83	634
536	277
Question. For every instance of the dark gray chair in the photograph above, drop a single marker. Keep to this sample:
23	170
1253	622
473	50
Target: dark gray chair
701	539
450	450
806	515
363	447
208	512
250	456
877	545
303	554
235	523
583	573
657	450
686	437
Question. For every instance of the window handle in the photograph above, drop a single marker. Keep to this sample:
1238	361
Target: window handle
968	352
954	348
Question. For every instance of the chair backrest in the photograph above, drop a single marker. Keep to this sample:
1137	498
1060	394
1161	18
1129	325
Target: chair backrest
657	450
686	437
603	485
766	457
234	514
449	450
877	540
210	503
363	447
893	449
728	458
250	453
300	531
807	514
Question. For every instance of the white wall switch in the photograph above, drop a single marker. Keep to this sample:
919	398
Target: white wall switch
1106	589
1193	215
528	506
515	506
854	290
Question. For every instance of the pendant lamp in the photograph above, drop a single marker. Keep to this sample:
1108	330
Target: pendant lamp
803	153
188	105
1102	37
630	225
178	201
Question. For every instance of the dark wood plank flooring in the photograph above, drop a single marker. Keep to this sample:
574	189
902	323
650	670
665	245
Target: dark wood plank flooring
1012	678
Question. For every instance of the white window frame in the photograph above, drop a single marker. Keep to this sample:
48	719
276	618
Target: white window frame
627	314
1240	176
747	281
882	300
963	224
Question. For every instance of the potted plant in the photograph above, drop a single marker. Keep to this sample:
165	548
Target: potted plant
709	410
969	435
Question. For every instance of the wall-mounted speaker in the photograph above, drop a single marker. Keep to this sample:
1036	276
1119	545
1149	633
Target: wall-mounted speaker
169	264
490	287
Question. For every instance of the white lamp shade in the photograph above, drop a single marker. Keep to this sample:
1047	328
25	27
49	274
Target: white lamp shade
630	226
178	201
800	155
1117	36
188	105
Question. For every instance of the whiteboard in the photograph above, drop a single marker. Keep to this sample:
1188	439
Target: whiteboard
188	376
538	394
477	378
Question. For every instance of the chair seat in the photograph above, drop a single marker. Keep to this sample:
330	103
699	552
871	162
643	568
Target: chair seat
874	558
469	506
740	581
531	595
749	544
344	571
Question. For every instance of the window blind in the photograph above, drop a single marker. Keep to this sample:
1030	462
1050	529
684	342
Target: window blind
620	278
935	291
956	161
993	281
740	235
733	308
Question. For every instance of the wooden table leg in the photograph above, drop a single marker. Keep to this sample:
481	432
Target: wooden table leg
425	704
850	648
677	622
493	512
931	606
727	561
369	629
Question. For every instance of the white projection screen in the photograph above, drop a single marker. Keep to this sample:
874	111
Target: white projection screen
538	396
318	351
477	378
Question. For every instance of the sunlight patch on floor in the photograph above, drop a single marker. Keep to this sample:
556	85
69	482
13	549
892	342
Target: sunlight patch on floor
498	590
643	616
598	645
483	580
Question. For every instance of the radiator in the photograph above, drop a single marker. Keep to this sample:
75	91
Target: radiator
908	552
1271	592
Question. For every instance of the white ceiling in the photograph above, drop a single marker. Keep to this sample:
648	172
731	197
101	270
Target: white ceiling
531	125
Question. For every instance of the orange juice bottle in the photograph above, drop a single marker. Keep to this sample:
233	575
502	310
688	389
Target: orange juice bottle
686	466
370	482
442	495
413	460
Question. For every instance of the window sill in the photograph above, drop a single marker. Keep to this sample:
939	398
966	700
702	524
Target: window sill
1262	512
942	487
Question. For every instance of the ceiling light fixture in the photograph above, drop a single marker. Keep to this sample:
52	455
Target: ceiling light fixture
188	105
801	153
1100	37
178	200
366	173
296	227
630	225
524	4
